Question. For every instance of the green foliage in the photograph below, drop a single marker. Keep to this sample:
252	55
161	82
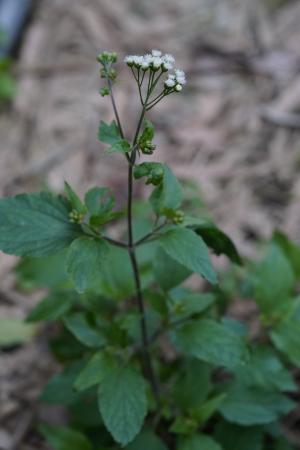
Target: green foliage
211	342
35	224
14	331
7	81
123	403
84	258
188	249
152	358
110	134
62	438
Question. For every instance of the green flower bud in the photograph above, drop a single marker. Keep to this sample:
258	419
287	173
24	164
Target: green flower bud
104	91
156	176
178	217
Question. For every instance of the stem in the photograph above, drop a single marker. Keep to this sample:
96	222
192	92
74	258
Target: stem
114	242
148	367
115	106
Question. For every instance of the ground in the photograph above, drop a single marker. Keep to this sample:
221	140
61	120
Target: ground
234	131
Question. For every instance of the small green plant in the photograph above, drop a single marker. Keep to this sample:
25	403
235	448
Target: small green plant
148	362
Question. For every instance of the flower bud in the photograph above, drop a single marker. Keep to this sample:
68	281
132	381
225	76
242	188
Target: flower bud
104	91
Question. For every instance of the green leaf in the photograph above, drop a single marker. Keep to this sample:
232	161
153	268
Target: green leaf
62	438
254	406
235	437
147	440
290	249
286	337
87	334
188	249
264	369
48	271
199	442
99	201
52	307
211	342
110	134
35	225
188	304
121	146
193	385
95	371
218	241
59	390
168	195
274	281
14	331
84	260
168	272
123	403
75	201
204	412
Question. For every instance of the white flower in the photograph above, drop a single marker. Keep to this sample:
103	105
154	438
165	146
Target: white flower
145	65
178	88
181	80
167	65
170	83
169	58
138	60
129	59
156	53
157	62
179	73
172	76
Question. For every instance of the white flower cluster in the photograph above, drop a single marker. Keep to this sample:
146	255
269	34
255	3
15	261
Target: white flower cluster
154	60
176	80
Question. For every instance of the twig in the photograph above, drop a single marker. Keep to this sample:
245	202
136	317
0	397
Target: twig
280	119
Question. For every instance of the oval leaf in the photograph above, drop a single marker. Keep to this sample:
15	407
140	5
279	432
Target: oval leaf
35	225
189	250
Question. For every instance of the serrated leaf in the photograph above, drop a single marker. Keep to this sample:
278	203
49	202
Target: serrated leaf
109	133
84	260
95	371
121	146
218	241
254	406
168	272
123	403
235	437
168	195
188	249
286	337
14	331
147	440
62	438
86	333
35	225
99	200
274	281
199	442
73	198
211	342
52	307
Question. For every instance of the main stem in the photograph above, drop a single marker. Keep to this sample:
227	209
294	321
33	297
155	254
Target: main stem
148	367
